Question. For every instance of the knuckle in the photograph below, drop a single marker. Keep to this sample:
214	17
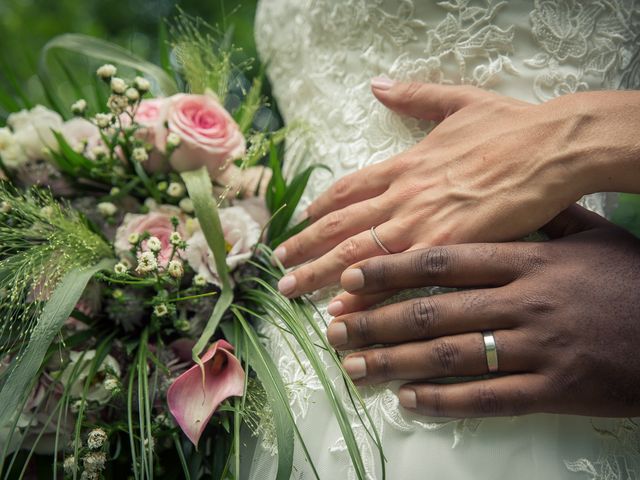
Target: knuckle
362	328
383	363
332	224
341	188
446	355
349	252
485	401
432	262
538	305
421	316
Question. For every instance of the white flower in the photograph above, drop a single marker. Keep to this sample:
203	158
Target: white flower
118	103
5	207
150	203
175	269
107	209
103	120
162	186
160	310
120	268
139	154
175	238
99	151
134	238
199	280
33	131
186	205
175	189
79	366
146	262
118	85
132	94
79	107
96	438
107	71
10	151
241	233
154	244
69	465
111	384
114	191
173	141
142	84
94	462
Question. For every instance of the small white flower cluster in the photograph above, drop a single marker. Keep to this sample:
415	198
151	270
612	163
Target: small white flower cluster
139	154
160	310
107	209
79	108
147	263
93	464
122	94
175	190
96	438
175	269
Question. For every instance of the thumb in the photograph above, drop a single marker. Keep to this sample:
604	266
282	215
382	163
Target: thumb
574	219
427	101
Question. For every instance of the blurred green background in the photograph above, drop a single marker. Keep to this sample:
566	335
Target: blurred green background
26	25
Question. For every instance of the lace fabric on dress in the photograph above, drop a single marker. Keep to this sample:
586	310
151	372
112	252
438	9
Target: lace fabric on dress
321	56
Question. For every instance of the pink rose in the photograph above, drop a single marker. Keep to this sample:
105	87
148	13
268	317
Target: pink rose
157	223
150	115
209	136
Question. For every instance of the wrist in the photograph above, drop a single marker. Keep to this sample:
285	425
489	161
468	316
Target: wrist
596	141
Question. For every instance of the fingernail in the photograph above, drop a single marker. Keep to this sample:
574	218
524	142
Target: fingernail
382	83
335	308
280	253
356	367
287	284
337	333
352	279
407	398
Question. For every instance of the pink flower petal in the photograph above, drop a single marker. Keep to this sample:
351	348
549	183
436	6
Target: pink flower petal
191	403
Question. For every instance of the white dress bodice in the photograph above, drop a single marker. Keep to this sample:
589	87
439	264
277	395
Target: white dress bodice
321	56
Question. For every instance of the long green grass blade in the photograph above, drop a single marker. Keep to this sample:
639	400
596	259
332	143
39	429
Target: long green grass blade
56	312
200	191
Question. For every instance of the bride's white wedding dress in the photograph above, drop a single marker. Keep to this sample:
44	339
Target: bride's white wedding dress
321	56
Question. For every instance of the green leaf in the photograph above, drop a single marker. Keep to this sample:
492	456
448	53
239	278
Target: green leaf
200	191
165	50
162	84
56	312
258	358
277	186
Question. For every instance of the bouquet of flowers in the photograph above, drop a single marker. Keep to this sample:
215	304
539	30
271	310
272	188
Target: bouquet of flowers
135	261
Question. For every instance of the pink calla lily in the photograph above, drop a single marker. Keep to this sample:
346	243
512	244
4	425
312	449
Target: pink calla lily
191	403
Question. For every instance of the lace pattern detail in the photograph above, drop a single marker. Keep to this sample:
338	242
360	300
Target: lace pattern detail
322	55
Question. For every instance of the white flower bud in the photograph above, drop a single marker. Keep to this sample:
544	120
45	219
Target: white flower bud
106	71
139	154
199	280
96	438
173	141
160	310
142	84
94	462
118	85
69	465
46	211
111	384
99	151
118	103
117	294
175	238
175	269
5	207
114	191
103	120
120	268
107	209
175	189
146	262
154	244
134	238
132	94
150	203
79	107
162	186
186	204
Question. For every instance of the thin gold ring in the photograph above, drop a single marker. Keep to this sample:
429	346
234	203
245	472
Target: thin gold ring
378	241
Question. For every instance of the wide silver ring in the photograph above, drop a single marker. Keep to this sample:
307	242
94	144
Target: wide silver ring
378	241
490	350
